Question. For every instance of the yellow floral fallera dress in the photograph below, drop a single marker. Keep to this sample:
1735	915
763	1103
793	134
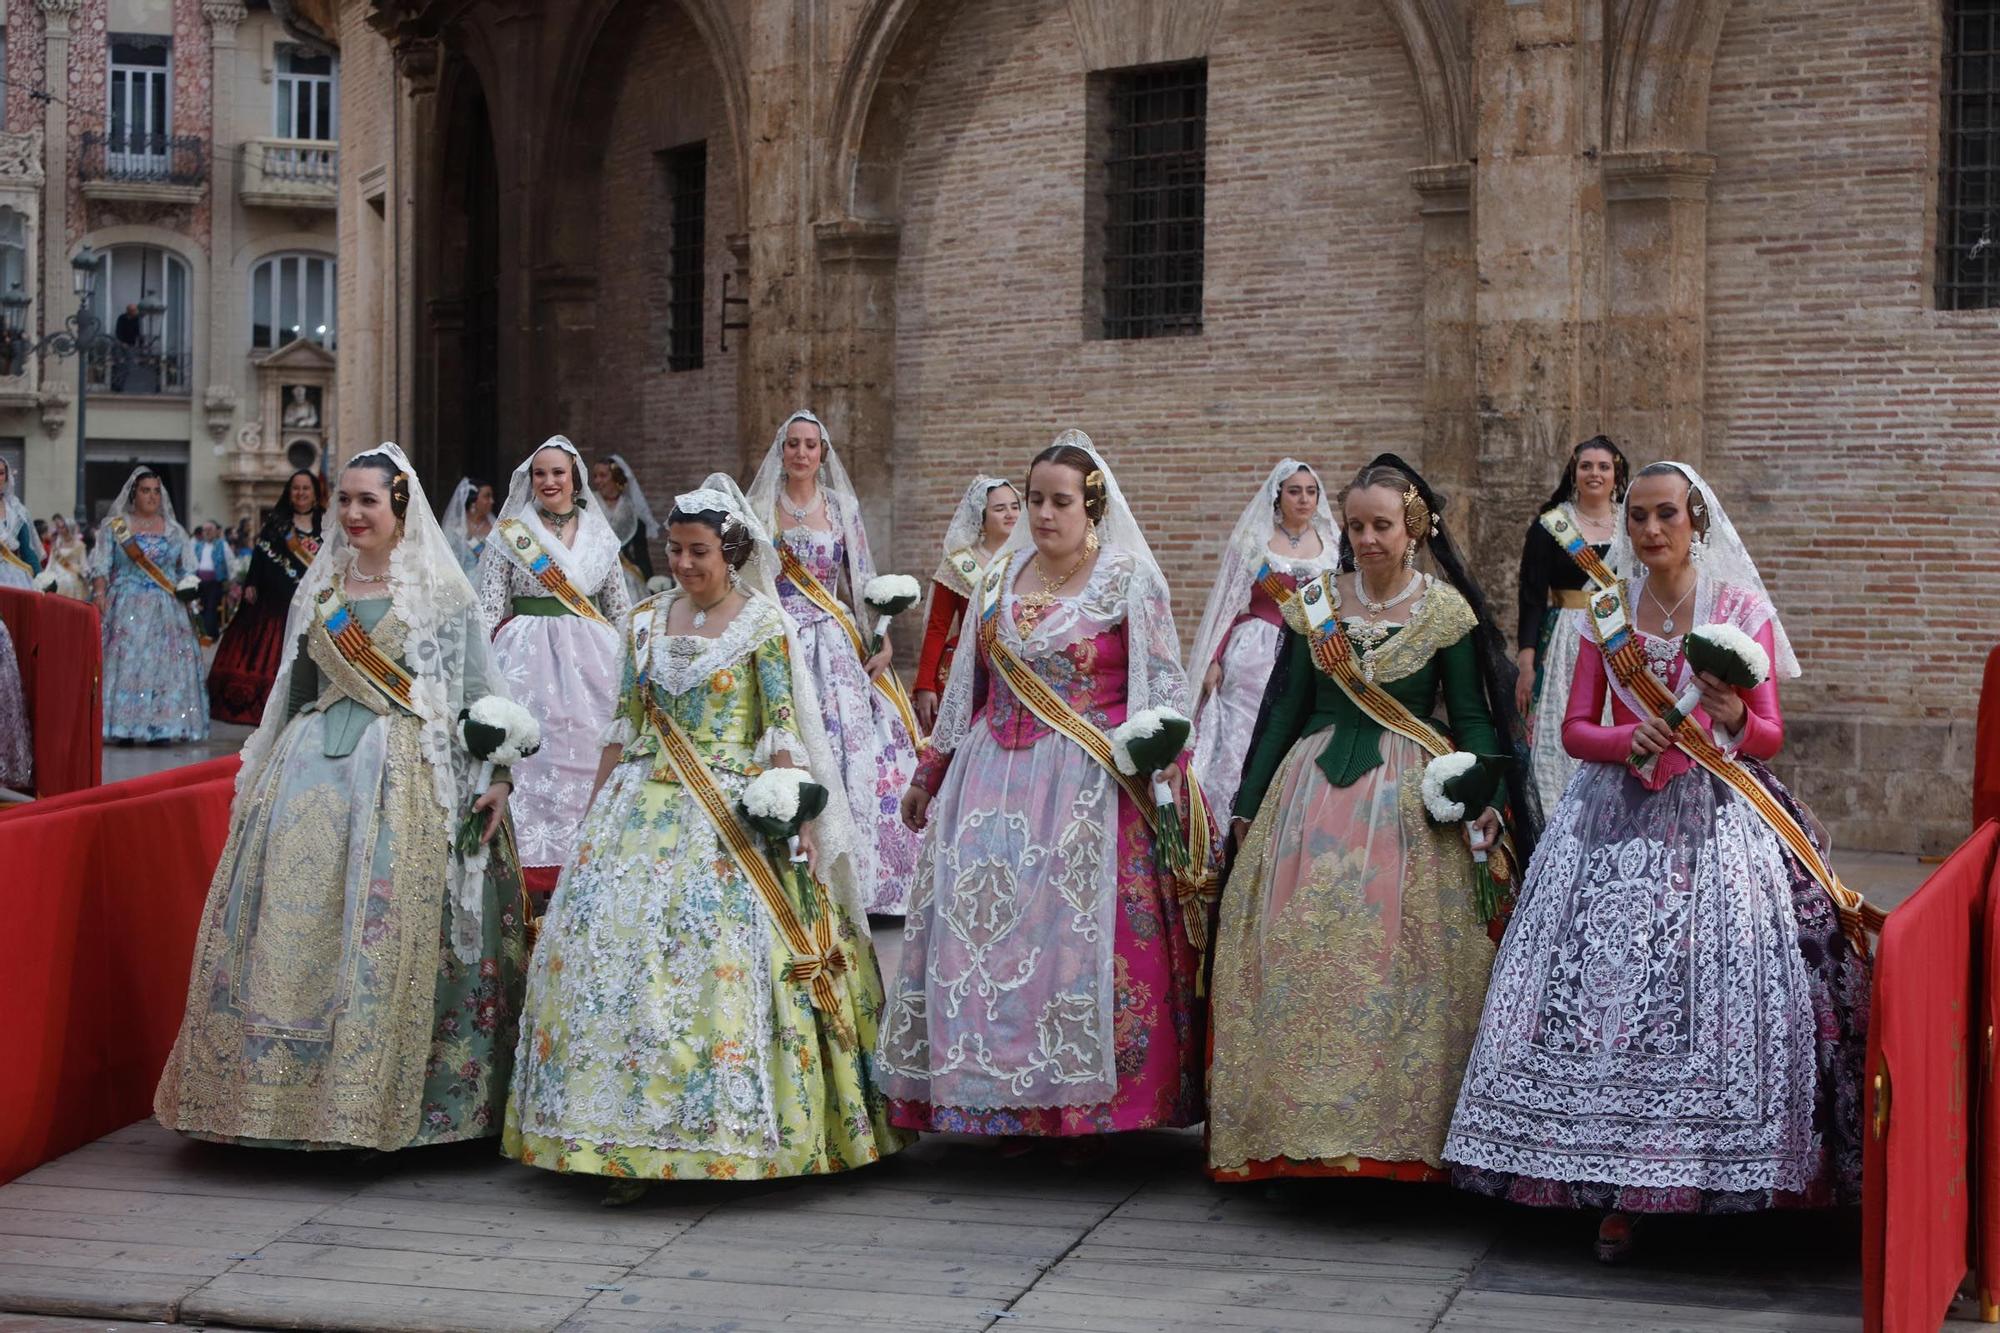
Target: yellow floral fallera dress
660	1038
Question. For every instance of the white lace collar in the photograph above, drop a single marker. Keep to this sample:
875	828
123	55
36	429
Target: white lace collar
587	563
677	663
1099	605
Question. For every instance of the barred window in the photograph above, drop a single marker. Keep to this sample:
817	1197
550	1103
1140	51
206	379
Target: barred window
1153	176
1968	246
687	182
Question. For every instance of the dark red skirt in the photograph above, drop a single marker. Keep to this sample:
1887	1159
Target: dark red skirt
246	663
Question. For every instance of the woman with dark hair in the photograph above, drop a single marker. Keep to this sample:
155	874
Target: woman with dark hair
553	596
669	1032
152	648
1677	1021
358	964
468	522
1592	487
1049	967
984	520
1351	959
246	661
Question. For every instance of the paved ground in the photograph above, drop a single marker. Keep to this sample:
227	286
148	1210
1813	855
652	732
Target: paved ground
143	1227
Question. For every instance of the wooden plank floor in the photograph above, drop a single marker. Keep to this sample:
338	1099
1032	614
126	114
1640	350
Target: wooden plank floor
143	1227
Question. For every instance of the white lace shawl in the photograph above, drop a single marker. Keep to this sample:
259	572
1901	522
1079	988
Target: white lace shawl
13	513
1246	550
591	564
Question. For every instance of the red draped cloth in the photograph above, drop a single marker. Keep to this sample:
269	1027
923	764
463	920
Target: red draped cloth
61	651
1923	1054
1986	749
102	899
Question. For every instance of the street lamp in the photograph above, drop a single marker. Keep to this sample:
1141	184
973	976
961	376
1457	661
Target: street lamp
82	336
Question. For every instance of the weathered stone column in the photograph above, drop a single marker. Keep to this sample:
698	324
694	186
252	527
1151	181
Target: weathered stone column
1656	322
225	306
1450	457
779	370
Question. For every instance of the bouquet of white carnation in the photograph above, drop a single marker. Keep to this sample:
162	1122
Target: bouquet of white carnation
1457	787
1725	652
658	584
778	803
1146	744
45	581
188	588
494	730
888	596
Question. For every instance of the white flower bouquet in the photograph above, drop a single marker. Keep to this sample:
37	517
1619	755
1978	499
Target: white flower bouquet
188	588
658	584
1457	787
778	803
1146	744
1725	652
495	731
45	581
888	596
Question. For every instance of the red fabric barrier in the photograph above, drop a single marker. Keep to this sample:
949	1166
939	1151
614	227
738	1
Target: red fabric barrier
1986	747
165	780
58	642
102	902
1916	1238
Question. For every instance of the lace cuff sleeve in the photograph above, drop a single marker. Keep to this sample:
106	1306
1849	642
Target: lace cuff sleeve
776	741
619	732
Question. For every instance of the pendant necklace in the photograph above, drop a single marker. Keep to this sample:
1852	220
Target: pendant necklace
556	522
1361	590
1666	616
1290	537
800	515
701	612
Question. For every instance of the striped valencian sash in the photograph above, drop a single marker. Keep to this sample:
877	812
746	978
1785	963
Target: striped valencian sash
359	650
888	682
817	958
1611	623
1195	883
7	557
521	544
128	542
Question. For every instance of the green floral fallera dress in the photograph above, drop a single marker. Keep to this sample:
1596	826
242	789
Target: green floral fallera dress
661	1038
327	1007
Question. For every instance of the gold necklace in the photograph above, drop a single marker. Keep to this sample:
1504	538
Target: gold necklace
1036	604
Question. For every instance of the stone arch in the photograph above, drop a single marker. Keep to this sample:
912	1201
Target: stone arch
1660	58
895	38
459	280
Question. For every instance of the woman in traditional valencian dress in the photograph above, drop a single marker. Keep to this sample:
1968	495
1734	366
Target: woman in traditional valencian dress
1351	958
1285	536
1049	969
20	551
826	568
624	506
468	523
19	564
357	977
1677	1022
246	662
152	650
985	519
669	1031
1592	487
67	558
551	590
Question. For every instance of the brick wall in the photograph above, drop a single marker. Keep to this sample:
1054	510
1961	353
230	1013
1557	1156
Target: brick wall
1311	342
674	427
1852	427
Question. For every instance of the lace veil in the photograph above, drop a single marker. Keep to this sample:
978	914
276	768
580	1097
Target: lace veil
629	514
1155	677
595	552
429	593
1724	563
1245	553
844	505
121	507
758	578
453	519
13	512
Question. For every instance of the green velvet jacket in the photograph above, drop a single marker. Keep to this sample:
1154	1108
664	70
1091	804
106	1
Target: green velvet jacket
1429	659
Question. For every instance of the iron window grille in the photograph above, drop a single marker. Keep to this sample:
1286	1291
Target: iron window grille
1968	236
1154	201
687	180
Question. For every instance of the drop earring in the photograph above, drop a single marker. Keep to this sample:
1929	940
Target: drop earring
1410	556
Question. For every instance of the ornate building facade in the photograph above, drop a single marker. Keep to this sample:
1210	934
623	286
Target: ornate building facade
191	146
1472	231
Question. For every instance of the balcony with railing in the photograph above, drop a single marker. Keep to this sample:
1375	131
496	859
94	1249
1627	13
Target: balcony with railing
290	173
139	370
125	164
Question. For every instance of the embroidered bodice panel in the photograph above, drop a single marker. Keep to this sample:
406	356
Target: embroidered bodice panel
731	694
824	554
1088	673
161	549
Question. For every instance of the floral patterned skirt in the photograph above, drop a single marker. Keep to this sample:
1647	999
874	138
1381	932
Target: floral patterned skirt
1350	964
1676	1022
661	1038
17	749
152	665
246	662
